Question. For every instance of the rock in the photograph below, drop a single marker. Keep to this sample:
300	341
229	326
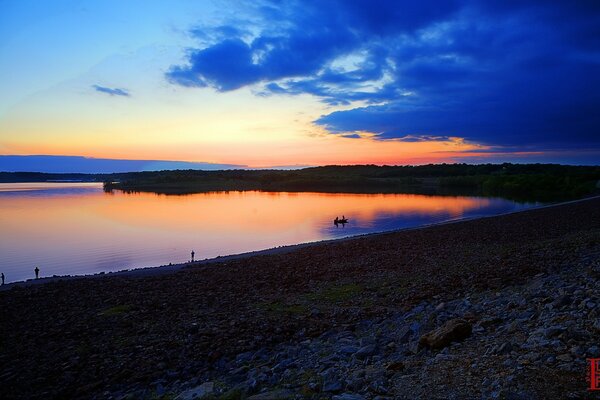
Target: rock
332	386
551	359
285	364
590	304
365	351
452	331
562	301
281	394
553	331
395	366
348	349
198	392
355	383
348	396
578	351
160	389
378	386
505	348
504	394
193	328
564	358
405	333
593	352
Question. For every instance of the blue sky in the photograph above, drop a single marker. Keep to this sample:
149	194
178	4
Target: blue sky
310	81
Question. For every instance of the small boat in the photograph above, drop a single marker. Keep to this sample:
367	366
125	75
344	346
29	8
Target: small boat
340	221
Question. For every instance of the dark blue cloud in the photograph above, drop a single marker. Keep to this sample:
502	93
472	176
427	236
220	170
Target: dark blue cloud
226	66
516	74
111	91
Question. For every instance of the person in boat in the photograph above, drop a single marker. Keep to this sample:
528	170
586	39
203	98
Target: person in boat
336	220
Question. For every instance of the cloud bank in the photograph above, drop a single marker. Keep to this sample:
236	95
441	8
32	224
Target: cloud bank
512	74
88	165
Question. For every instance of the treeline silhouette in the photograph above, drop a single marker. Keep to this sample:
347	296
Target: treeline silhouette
525	182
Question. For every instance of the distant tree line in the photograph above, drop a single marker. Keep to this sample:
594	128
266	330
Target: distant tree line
533	182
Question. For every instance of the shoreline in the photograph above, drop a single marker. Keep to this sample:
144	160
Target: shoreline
169	269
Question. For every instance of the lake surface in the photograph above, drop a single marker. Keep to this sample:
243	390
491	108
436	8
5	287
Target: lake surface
76	228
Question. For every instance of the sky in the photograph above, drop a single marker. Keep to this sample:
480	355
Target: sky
287	83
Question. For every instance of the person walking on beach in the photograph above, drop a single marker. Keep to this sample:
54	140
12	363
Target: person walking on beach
193	255
37	272
2	278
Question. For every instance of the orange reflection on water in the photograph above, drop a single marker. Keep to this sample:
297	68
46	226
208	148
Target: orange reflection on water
263	211
78	229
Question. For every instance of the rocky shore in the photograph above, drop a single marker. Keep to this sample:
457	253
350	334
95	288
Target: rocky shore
505	307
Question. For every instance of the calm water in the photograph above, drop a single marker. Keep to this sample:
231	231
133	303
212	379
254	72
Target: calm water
76	228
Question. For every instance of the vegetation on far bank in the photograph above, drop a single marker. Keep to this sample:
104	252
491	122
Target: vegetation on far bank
536	182
526	182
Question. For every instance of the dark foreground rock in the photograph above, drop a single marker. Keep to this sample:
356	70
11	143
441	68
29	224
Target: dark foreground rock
454	330
340	321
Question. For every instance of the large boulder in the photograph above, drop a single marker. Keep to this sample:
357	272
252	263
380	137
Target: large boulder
454	330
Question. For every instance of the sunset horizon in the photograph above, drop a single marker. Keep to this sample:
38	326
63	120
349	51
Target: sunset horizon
295	83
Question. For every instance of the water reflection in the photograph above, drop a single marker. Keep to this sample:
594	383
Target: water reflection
78	229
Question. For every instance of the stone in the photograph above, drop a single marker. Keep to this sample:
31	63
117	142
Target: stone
564	358
395	366
348	396
198	392
563	300
405	333
378	386
505	348
280	394
160	389
593	352
578	351
454	330
332	386
365	351
348	349
553	331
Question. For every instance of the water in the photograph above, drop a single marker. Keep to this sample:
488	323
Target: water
76	228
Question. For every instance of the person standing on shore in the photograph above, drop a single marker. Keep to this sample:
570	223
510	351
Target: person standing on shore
2	278
193	255
37	272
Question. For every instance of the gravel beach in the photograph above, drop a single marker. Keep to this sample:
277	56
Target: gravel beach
502	307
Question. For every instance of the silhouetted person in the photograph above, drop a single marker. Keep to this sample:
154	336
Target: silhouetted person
37	272
2	278
193	255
